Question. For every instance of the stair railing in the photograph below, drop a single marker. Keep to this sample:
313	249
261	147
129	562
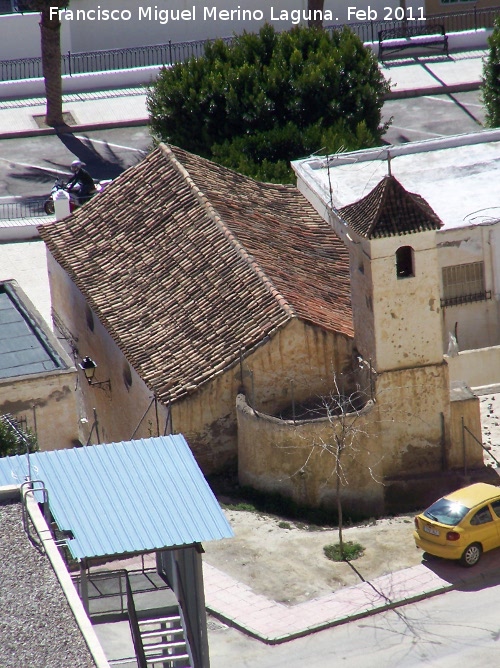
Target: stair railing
134	624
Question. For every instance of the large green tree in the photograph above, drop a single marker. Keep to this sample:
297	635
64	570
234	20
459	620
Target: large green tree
271	97
491	78
50	32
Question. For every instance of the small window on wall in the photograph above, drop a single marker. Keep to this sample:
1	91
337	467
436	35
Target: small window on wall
464	283
404	262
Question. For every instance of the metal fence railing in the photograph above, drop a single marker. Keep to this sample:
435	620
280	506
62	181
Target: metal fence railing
28	208
176	52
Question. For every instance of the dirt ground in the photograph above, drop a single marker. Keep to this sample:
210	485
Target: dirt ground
288	564
284	560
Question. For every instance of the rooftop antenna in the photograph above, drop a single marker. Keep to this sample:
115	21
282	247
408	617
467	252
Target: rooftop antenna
12	424
389	157
329	180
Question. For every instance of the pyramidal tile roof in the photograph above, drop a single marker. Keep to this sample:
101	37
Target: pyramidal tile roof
390	210
187	263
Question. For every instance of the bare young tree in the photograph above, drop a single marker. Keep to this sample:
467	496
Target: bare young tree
346	429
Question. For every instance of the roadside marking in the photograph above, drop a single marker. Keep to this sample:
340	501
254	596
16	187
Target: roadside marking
107	143
467	104
42	169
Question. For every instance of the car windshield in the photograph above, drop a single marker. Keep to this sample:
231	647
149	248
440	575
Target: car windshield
447	512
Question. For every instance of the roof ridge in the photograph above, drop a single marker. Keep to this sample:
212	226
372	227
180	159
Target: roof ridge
383	185
230	236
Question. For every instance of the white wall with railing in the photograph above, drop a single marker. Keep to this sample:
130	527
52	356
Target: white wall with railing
20	34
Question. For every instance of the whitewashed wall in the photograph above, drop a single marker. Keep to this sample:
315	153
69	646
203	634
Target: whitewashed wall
20	35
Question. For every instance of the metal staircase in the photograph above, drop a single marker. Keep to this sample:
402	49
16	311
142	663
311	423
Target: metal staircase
163	642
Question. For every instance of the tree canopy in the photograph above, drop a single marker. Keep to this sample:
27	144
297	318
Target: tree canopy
268	98
13	440
491	78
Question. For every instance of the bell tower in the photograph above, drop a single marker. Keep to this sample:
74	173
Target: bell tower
395	278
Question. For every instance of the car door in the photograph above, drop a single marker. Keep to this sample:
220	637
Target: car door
483	528
495	507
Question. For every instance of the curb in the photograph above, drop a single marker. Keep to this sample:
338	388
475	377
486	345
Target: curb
433	589
433	90
321	626
86	127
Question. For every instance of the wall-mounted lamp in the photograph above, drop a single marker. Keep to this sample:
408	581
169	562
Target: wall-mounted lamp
88	367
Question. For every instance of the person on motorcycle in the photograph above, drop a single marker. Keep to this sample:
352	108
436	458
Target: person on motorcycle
81	182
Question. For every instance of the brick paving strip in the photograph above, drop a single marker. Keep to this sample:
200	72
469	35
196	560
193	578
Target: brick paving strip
239	606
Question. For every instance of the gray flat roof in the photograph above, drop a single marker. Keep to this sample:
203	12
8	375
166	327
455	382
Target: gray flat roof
24	347
458	176
37	626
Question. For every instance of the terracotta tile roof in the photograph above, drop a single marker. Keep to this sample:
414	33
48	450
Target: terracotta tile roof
186	263
389	210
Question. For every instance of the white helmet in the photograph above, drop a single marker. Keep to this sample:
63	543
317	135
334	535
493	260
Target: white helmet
76	164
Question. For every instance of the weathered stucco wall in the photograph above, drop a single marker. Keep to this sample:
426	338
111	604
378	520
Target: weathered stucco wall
412	431
466	452
362	296
299	361
476	368
294	459
407	310
48	404
414	414
119	410
463	246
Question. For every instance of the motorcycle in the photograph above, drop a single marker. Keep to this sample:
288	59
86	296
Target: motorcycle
73	191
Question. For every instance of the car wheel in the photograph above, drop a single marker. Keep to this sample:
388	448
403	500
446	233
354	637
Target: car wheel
471	555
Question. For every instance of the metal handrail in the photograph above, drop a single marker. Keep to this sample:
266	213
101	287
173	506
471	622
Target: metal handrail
483	446
134	624
29	208
176	52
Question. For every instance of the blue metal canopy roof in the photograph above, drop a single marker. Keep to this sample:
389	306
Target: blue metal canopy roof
127	497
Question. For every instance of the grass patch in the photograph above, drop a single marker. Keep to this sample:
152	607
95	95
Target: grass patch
284	525
240	506
352	551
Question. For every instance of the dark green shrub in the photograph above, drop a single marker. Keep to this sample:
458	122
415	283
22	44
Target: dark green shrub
349	552
15	441
269	98
491	78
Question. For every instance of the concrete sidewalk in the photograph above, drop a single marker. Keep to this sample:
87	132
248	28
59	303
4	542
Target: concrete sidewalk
435	75
409	77
239	606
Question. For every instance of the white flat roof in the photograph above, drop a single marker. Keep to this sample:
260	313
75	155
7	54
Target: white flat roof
459	176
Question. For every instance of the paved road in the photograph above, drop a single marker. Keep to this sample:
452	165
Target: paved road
460	629
28	167
432	116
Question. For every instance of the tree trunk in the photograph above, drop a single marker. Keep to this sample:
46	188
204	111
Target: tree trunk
51	65
314	5
340	520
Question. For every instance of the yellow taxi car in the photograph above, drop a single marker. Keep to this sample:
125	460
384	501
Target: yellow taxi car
461	525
